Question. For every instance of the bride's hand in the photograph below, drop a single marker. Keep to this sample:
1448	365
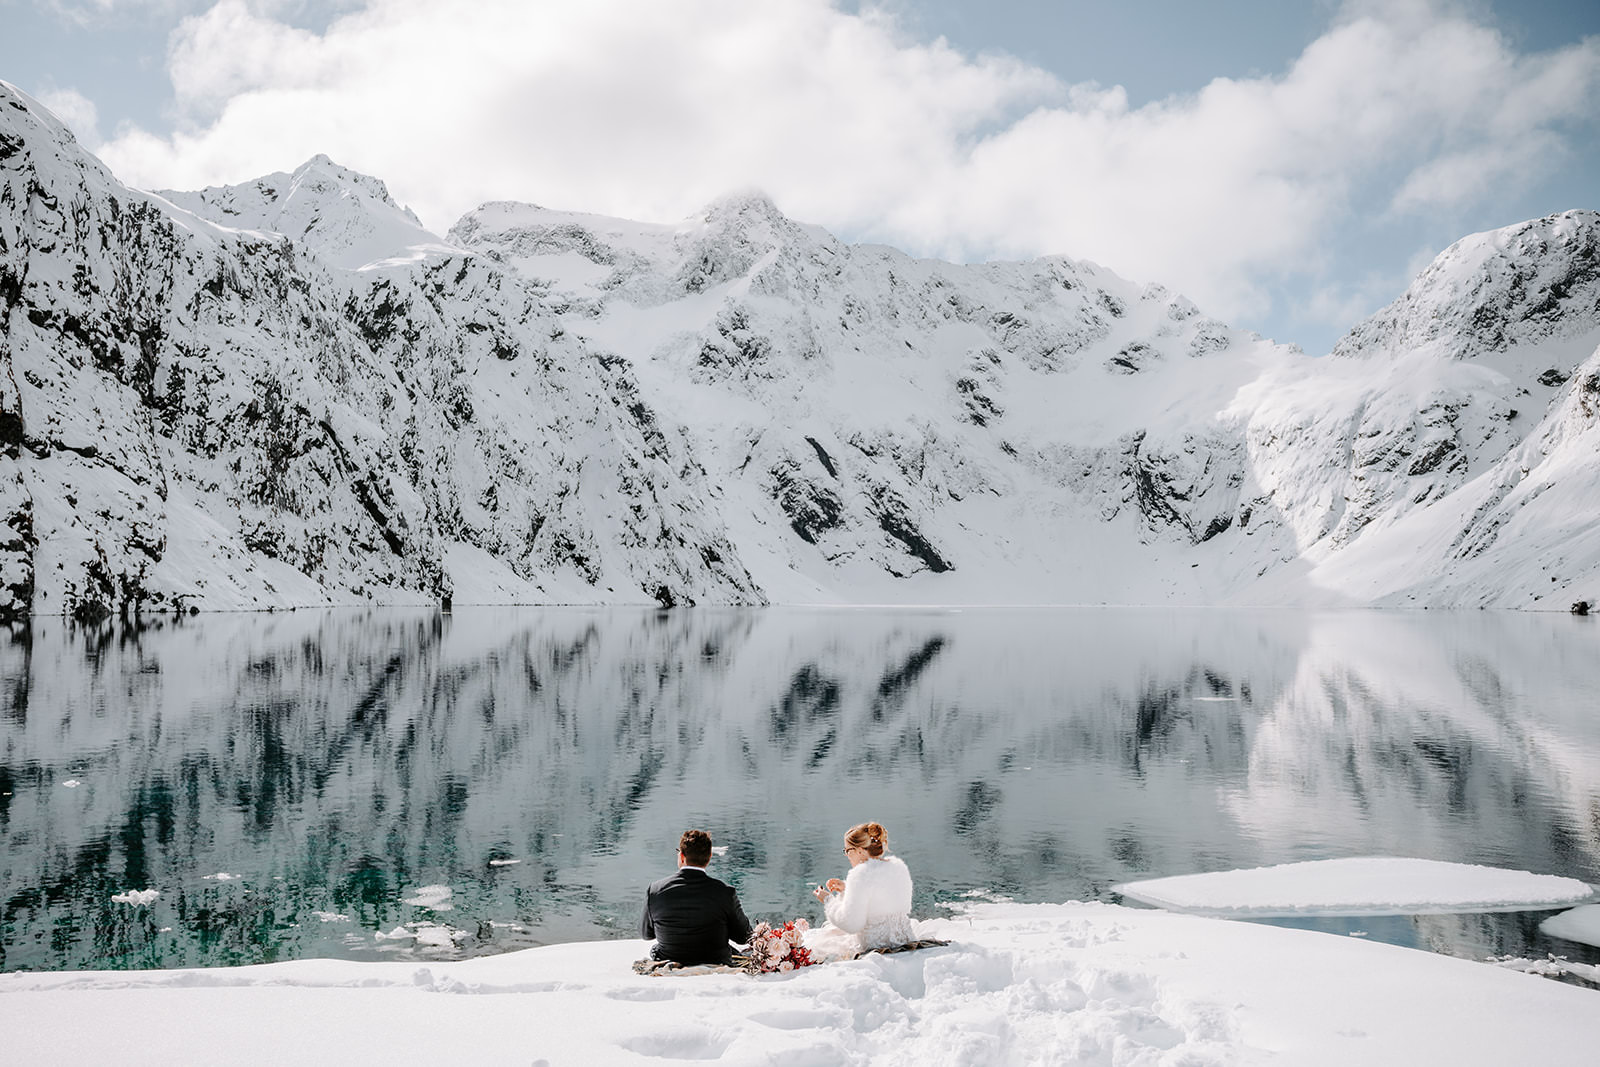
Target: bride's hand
820	893
834	886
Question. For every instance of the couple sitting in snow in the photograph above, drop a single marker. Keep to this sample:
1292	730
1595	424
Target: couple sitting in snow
693	916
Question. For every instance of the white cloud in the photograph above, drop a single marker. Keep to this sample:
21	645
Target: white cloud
649	109
91	12
77	111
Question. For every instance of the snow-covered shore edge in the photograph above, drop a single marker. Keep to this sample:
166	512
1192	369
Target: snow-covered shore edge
1034	983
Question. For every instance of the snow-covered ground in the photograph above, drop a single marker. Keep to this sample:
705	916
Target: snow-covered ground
1042	984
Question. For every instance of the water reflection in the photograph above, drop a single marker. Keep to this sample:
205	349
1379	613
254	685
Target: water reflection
289	781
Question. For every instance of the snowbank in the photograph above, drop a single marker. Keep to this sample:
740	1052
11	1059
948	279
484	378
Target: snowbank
1580	924
1367	885
1070	983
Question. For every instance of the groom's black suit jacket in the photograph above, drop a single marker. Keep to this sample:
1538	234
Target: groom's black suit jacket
693	916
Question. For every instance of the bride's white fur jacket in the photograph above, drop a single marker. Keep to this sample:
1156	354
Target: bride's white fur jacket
874	891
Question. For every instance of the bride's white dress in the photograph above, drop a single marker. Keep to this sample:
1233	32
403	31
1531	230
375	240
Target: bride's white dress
874	911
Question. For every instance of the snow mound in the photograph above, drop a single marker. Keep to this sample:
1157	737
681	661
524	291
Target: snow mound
1371	885
1579	924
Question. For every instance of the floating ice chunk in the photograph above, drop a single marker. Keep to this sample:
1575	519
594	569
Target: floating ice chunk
431	935
438	936
136	897
1580	924
1550	967
984	896
436	897
1372	885
331	917
719	850
71	783
503	863
222	876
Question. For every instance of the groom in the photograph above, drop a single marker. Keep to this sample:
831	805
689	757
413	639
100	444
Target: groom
691	915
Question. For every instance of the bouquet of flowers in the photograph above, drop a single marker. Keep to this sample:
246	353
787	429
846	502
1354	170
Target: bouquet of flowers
778	948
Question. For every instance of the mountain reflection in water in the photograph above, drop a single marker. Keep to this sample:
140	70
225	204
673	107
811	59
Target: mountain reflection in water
287	782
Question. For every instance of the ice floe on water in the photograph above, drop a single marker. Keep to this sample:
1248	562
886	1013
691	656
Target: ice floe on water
1551	967
222	876
503	863
436	897
424	935
71	783
1019	983
1580	924
331	916
1372	885
136	897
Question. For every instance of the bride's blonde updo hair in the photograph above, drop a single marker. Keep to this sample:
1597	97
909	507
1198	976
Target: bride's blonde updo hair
869	837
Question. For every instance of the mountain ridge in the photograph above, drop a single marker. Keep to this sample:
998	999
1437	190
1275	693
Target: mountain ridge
202	411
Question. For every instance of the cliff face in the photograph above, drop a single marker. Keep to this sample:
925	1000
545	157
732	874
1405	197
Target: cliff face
288	392
216	417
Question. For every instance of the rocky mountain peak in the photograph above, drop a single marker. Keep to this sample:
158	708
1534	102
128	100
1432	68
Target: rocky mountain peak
343	217
1491	292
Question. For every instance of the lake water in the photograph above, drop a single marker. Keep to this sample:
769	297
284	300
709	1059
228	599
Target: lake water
407	784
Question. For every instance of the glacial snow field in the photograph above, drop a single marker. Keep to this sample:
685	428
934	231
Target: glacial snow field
1037	983
288	393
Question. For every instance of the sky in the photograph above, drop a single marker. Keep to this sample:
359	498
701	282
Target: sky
1287	165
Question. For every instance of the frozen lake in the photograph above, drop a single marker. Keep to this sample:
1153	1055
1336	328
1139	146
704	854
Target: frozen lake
405	784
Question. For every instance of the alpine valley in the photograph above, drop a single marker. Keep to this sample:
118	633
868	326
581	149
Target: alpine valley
289	393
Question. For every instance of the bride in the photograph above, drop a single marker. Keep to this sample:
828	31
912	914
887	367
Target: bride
871	907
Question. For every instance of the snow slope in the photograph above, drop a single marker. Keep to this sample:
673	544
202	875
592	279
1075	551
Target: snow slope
288	393
347	220
1072	983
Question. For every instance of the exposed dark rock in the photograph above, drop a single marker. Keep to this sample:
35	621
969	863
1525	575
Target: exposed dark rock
812	509
822	456
895	520
1132	358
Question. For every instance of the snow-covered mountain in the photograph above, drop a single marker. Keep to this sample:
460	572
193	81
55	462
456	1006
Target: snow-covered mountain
289	393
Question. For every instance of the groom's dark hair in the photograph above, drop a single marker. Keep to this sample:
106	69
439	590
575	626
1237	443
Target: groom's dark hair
696	847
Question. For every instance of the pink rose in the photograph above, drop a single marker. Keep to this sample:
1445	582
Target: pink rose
786	965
